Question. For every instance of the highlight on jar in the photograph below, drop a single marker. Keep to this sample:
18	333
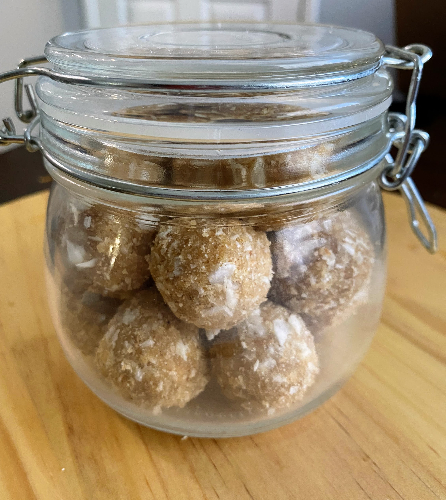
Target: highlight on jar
215	239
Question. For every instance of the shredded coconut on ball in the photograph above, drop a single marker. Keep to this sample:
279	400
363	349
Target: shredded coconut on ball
266	362
212	276
150	356
106	249
322	268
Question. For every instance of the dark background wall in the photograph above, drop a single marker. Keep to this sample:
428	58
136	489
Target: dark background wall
423	22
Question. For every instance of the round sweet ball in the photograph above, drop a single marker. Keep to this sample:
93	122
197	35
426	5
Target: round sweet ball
106	247
66	241
210	275
322	268
85	316
138	165
268	361
151	357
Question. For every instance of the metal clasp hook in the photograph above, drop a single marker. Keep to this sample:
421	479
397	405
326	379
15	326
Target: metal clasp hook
410	57
29	114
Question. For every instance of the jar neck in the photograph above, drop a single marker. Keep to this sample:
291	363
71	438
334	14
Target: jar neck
206	123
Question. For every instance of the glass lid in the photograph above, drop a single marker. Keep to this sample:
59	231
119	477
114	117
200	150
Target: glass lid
247	55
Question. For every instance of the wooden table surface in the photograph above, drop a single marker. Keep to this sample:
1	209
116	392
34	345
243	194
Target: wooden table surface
381	437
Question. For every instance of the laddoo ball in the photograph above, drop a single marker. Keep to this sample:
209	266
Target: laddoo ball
218	173
322	269
150	356
300	165
268	361
211	275
130	165
105	248
85	317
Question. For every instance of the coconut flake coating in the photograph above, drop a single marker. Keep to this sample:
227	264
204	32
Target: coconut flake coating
85	316
210	275
322	268
106	249
266	362
150	356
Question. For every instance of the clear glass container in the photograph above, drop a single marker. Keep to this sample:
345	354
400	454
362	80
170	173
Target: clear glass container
215	239
214	320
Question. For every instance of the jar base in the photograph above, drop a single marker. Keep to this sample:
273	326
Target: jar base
234	430
217	429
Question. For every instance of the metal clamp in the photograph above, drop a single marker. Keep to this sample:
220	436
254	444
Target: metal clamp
415	208
8	135
28	115
410	57
419	141
410	143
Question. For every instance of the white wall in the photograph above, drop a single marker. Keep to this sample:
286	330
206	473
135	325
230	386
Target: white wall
25	27
377	16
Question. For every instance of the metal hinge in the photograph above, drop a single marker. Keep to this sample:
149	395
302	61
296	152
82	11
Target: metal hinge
8	133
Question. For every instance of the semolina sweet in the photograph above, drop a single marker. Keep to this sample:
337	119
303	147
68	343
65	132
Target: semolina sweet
105	249
322	269
291	167
268	361
151	357
210	275
84	316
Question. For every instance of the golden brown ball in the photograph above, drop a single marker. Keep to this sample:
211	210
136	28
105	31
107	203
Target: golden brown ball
211	275
300	165
322	268
151	357
106	249
268	361
84	317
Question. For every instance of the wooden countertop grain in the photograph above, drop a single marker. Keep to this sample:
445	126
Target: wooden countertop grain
381	437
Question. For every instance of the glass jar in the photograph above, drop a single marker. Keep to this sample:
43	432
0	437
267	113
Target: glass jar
215	239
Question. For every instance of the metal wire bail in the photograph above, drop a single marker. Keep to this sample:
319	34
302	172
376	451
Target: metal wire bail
26	116
419	216
410	143
410	57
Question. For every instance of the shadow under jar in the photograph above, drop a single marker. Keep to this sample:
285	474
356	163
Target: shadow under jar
215	240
